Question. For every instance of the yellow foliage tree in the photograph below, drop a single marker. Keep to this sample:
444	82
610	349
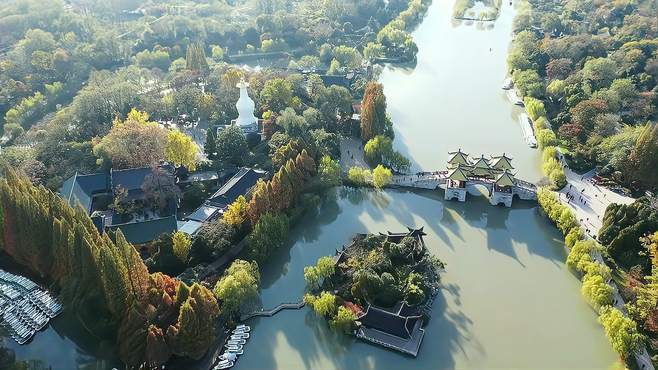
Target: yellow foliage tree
236	214
181	244
381	176
181	150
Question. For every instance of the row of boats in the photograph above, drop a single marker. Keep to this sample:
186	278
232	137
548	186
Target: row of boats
524	120
234	347
24	307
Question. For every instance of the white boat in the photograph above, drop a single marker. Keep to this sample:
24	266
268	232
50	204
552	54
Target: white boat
240	336
237	341
236	347
245	329
227	356
224	365
236	351
242	326
507	84
528	133
514	98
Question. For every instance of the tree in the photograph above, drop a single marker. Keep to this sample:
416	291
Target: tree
373	114
599	72
381	176
325	304
153	59
348	57
217	53
232	146
195	58
344	320
643	159
329	172
535	108
236	214
270	233
311	276
359	176
621	331
238	285
295	125
276	94
596	290
211	241
181	244
210	147
160	189
135	142
528	83
334	102
181	150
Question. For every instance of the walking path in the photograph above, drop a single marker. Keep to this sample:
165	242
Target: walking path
589	202
587	199
351	154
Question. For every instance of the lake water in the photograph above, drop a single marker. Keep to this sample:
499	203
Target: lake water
508	301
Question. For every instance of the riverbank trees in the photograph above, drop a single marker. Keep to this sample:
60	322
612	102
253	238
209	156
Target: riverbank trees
593	69
101	277
585	257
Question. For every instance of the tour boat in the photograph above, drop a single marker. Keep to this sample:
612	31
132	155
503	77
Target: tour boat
240	336
236	351
514	98
528	134
227	356
244	329
236	347
224	365
237	341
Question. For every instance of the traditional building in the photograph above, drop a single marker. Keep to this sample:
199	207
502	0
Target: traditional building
215	206
96	192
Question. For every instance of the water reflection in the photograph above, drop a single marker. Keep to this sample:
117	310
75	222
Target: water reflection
507	299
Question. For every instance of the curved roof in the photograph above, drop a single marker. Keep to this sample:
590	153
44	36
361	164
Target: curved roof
505	179
481	163
458	174
458	158
502	162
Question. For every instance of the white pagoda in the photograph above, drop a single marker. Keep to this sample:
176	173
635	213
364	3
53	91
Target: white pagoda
246	120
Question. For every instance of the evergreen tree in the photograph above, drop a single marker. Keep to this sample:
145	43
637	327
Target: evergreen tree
210	147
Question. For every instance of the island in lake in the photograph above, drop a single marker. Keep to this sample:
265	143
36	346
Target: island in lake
379	288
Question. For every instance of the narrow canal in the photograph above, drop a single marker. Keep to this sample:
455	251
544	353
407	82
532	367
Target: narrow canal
508	299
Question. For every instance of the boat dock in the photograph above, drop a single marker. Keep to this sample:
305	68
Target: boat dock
528	133
273	311
25	308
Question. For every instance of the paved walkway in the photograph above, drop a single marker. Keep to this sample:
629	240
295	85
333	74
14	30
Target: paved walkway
589	200
351	154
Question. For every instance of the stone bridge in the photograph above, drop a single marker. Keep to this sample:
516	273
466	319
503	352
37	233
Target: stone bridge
464	175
